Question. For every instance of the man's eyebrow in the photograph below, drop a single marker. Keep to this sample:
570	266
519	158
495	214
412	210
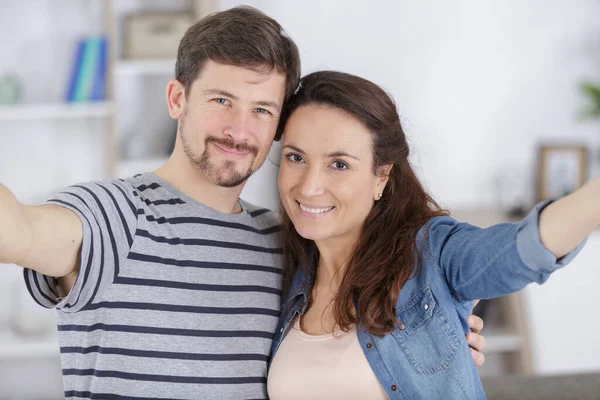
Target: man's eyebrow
262	103
220	93
266	103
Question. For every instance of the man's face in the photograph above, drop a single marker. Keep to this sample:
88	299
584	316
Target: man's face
229	119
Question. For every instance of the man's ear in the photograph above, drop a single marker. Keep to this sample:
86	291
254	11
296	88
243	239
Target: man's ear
175	98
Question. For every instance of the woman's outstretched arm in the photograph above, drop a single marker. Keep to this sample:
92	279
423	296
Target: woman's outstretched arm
567	222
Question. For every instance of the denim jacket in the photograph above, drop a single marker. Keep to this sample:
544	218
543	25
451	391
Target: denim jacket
427	356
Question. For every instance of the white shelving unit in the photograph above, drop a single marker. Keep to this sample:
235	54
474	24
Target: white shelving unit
32	112
30	351
143	77
508	337
145	67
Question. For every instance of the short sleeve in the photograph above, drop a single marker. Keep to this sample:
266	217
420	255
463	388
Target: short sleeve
108	213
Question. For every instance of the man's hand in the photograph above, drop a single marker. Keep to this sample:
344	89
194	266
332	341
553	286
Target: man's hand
475	339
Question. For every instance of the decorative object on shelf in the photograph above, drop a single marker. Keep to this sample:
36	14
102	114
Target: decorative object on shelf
154	34
562	169
87	81
592	91
10	89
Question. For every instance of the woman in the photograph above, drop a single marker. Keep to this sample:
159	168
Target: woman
379	279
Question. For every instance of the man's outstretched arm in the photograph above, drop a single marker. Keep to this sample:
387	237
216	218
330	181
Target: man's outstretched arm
44	238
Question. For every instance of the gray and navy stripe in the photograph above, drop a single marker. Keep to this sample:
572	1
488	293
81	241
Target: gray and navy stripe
174	300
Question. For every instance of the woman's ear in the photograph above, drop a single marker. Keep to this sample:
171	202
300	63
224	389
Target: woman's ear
383	175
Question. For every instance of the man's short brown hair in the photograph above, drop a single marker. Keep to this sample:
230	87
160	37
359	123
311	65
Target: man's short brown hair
241	36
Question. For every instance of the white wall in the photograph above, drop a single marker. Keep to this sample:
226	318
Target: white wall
478	84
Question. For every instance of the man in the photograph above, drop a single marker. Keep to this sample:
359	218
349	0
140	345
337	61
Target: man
167	284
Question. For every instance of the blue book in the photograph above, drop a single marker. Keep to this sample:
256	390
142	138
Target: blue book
75	70
83	88
99	78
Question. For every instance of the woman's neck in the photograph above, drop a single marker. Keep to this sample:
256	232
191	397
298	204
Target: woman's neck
334	255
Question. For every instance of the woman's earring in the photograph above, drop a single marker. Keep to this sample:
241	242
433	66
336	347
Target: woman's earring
379	195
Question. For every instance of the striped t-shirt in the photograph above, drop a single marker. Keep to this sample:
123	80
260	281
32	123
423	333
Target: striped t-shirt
173	300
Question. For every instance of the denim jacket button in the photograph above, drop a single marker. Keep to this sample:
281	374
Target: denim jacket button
402	327
369	345
281	330
394	388
427	306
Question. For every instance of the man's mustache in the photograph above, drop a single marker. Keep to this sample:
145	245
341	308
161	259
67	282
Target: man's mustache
231	144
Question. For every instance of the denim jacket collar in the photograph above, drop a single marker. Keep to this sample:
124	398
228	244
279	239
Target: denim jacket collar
302	282
300	287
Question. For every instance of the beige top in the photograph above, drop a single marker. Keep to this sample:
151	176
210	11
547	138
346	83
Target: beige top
330	366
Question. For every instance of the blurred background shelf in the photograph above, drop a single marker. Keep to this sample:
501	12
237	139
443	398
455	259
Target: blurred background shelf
32	112
499	340
145	67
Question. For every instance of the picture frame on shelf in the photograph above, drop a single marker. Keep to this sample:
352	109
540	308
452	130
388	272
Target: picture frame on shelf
562	169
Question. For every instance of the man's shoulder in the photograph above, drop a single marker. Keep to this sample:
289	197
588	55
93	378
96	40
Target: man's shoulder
105	189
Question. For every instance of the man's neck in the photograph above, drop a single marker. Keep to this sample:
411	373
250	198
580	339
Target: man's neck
180	174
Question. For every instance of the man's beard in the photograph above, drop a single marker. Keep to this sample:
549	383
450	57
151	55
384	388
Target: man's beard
225	175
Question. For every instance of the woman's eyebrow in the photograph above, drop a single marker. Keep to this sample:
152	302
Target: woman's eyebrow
342	154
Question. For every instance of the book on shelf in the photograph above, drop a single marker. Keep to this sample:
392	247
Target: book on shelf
87	81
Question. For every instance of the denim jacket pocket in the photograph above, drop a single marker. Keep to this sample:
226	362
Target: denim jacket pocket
425	335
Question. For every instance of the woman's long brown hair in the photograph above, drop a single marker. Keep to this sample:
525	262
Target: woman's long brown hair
385	257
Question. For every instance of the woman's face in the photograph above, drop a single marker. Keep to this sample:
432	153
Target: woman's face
326	180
